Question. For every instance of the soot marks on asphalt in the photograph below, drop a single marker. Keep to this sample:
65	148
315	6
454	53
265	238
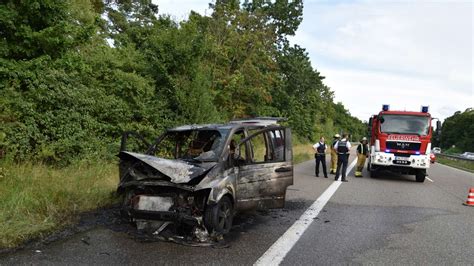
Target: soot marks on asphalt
110	218
244	224
249	222
297	204
107	217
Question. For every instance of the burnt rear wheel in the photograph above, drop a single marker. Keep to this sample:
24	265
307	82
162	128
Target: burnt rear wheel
218	217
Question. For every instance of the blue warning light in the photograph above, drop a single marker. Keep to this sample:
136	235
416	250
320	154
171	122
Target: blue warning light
385	107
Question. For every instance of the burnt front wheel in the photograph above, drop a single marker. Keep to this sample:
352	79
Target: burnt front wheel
218	217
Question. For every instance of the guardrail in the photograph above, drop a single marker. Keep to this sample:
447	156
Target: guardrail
454	157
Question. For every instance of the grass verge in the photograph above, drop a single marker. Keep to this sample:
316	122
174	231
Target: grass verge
302	152
460	164
37	199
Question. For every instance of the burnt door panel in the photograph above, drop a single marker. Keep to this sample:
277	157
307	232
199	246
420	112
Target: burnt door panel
262	182
288	147
263	185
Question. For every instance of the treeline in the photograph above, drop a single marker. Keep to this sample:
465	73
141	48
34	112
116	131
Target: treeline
74	74
457	131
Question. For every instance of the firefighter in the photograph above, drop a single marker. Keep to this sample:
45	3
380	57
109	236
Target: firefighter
334	154
320	156
342	147
362	154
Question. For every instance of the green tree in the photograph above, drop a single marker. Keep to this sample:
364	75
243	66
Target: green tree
75	74
34	28
456	130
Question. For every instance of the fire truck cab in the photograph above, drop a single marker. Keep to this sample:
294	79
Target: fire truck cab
400	141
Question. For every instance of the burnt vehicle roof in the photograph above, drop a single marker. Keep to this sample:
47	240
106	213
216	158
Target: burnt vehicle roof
204	126
247	123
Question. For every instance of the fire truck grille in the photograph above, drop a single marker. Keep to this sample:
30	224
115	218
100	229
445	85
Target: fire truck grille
405	146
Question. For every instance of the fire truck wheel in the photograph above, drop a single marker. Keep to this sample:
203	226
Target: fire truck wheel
373	174
420	176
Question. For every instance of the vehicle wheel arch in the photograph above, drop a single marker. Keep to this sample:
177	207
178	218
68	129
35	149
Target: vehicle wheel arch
216	194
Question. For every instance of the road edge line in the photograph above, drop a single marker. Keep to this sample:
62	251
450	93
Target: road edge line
455	168
277	252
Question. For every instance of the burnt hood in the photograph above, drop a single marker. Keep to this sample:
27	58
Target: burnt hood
178	171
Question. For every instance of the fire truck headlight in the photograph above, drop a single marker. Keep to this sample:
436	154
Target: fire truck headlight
381	158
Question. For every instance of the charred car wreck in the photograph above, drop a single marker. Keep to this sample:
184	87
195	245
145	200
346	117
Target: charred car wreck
194	179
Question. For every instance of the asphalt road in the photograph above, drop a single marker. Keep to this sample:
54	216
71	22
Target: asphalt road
387	220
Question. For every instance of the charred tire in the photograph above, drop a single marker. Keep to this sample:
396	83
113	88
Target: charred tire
420	176
218	217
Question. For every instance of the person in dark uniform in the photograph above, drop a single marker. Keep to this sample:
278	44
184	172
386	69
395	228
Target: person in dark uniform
320	156
342	147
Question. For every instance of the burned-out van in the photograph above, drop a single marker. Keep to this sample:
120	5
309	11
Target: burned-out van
197	177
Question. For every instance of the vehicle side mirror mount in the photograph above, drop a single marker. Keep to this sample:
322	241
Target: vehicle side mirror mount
369	128
438	127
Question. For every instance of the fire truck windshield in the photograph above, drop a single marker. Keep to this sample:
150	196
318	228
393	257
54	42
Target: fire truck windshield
405	124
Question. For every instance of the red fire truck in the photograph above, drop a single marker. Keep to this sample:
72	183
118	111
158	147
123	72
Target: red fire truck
400	141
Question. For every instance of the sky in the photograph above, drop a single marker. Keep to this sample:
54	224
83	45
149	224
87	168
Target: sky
402	53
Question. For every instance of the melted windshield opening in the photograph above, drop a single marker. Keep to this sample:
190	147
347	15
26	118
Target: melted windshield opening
198	145
405	124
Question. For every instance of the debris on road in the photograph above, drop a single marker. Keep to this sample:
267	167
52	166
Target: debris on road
85	240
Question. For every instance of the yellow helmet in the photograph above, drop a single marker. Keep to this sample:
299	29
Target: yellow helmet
337	136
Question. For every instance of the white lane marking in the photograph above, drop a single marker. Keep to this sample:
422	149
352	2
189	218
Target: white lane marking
429	179
277	252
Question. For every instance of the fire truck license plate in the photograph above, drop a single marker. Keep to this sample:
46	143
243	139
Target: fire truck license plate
399	158
401	162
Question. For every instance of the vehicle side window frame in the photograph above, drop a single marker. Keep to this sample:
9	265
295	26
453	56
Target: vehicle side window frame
245	159
268	144
274	147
